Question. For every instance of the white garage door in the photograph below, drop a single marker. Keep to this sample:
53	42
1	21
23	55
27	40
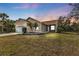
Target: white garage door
19	29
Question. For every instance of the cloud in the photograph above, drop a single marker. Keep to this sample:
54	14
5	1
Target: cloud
52	14
55	13
27	6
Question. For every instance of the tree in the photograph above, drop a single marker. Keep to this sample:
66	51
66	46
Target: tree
63	24
60	26
35	25
30	25
75	10
3	16
67	26
9	26
75	13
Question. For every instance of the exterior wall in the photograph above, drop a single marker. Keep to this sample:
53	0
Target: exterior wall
43	28
49	24
39	26
19	25
22	23
1	24
47	28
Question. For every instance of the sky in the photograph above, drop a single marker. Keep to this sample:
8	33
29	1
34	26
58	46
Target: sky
39	11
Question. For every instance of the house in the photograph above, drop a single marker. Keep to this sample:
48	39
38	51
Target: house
21	26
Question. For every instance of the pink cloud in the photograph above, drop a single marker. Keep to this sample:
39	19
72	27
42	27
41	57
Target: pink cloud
27	6
52	14
55	13
34	5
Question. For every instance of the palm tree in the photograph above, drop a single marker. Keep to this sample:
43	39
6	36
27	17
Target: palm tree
30	25
35	25
9	25
3	16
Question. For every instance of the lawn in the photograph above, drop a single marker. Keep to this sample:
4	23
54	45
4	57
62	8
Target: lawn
40	45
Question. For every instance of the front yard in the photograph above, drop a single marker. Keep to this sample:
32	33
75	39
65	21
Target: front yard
47	44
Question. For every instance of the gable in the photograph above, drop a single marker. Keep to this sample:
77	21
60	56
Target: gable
21	23
32	20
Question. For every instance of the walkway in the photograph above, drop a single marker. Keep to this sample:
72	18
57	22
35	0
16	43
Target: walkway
8	34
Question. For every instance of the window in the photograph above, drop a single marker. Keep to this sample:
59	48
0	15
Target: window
37	28
52	27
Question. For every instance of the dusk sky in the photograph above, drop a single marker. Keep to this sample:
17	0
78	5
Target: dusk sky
39	11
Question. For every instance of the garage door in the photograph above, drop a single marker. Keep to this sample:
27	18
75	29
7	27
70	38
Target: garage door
19	29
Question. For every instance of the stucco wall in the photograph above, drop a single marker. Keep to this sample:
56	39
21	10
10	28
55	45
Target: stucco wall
39	25
19	25
23	23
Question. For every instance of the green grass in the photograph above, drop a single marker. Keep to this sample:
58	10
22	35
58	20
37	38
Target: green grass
38	45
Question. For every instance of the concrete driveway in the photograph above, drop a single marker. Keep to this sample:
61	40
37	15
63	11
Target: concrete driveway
8	34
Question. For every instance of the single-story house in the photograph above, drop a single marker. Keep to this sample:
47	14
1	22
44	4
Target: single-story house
21	26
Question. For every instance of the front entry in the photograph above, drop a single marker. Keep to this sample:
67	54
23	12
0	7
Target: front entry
24	30
50	28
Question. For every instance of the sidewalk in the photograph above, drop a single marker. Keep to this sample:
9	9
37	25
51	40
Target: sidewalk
8	34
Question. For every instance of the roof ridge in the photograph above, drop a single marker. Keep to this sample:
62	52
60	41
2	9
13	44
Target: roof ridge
31	18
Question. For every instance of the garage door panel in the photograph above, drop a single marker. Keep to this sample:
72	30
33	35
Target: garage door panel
19	29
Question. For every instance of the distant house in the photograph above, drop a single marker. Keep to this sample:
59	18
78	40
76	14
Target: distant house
46	26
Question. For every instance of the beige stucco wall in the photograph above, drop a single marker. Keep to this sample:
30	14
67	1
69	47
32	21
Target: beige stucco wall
20	24
39	25
23	23
42	28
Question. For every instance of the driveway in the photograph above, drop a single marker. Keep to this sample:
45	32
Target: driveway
8	34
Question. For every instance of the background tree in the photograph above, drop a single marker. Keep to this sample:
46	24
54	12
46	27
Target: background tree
63	24
3	17
67	26
75	13
9	26
60	27
75	10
